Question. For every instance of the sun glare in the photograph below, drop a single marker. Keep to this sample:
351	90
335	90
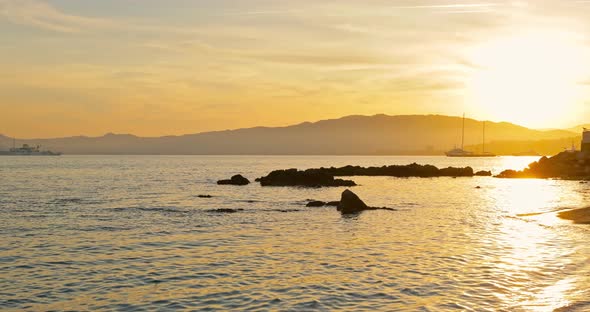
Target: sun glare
529	78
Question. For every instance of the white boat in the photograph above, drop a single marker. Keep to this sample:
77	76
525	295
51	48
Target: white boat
27	150
461	152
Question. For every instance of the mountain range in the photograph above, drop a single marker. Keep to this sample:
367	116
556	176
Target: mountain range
351	135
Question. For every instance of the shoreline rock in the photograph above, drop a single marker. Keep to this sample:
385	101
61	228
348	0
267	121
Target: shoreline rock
565	165
578	216
238	179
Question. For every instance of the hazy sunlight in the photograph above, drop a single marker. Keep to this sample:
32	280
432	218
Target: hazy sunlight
532	77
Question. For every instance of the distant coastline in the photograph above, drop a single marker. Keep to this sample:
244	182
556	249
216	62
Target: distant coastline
379	135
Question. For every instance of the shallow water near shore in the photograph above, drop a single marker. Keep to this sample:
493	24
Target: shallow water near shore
130	233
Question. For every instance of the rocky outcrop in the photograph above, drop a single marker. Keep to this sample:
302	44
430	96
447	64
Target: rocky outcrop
235	180
483	174
326	176
401	171
351	203
307	178
565	165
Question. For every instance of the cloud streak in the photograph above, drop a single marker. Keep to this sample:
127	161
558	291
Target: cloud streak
42	15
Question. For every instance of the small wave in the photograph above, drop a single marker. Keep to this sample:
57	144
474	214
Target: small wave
74	201
148	209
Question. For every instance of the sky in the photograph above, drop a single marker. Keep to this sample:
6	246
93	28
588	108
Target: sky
155	67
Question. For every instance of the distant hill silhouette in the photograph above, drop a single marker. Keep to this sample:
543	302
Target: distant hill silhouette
351	135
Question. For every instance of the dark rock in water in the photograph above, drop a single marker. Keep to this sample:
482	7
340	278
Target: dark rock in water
565	165
351	203
478	187
205	196
307	178
225	210
401	171
511	174
326	176
235	180
333	203
316	203
483	173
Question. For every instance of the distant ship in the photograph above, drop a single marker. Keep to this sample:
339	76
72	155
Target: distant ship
461	152
27	150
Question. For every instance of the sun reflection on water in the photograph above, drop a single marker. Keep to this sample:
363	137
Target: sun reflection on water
527	243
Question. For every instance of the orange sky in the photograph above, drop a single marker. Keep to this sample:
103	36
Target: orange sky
155	67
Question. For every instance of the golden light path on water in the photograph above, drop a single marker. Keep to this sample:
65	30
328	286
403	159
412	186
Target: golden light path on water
130	233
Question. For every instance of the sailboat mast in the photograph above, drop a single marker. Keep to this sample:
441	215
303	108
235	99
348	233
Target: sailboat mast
463	134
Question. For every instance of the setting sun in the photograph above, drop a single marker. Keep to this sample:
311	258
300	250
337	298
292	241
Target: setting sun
530	77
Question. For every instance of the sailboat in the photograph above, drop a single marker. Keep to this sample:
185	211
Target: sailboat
461	152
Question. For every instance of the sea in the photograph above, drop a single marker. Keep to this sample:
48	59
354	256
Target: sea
130	233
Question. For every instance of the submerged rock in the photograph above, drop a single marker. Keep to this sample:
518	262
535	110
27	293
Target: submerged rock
351	203
225	210
205	196
307	178
316	203
238	179
333	203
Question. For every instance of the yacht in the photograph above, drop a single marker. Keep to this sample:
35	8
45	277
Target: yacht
27	150
461	152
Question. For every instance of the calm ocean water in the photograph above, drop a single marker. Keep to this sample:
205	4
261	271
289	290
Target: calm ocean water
129	233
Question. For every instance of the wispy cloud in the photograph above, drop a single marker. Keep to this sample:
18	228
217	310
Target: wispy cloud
449	6
42	15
